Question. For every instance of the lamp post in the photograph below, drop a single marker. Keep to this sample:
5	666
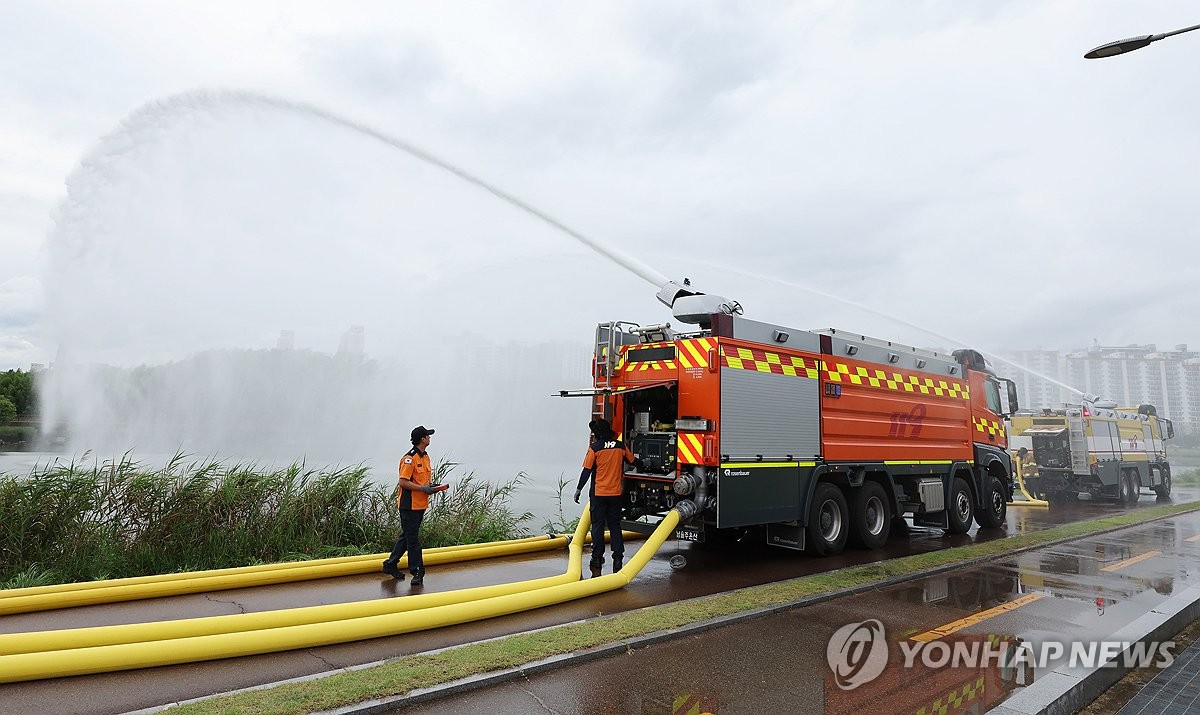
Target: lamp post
1120	47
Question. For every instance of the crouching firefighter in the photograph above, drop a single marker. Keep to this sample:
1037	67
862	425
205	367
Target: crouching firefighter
604	464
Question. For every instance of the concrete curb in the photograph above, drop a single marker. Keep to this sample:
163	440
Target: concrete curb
1066	690
423	695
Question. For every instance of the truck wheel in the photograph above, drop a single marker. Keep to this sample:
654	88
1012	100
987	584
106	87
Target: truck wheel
960	508
870	516
995	507
1125	489
1135	486
828	520
1163	490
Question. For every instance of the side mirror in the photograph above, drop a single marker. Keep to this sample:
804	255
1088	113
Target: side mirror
1013	406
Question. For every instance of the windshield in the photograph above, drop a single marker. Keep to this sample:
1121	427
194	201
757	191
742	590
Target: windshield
992	391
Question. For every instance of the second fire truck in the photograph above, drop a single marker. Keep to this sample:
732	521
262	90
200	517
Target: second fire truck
811	439
1097	448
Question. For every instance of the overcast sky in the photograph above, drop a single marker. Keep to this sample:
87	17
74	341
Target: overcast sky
956	164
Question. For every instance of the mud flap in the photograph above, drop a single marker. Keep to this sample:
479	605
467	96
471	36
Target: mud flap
788	536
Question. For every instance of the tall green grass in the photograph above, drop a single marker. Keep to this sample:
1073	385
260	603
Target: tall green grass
472	511
561	524
90	520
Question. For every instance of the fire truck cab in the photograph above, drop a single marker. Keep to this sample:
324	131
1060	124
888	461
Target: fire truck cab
810	439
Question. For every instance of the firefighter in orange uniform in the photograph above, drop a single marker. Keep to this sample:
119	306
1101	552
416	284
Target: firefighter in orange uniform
604	464
413	499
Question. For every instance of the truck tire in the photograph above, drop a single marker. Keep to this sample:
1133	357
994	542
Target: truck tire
1135	486
960	507
1163	490
995	506
870	516
828	521
1125	488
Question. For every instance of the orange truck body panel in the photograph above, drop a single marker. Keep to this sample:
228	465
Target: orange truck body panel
879	413
888	414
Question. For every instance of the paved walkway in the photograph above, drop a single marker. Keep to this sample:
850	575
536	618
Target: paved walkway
1174	691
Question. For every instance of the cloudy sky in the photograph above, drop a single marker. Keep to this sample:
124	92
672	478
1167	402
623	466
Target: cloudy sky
957	165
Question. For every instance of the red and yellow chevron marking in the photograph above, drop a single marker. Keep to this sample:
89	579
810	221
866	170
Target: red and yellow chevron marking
954	700
984	425
688	354
876	377
694	352
764	361
690	448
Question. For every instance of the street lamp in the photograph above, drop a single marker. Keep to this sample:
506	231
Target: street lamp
1133	43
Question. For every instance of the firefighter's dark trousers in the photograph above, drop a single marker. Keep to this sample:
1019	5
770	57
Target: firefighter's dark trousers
410	540
606	514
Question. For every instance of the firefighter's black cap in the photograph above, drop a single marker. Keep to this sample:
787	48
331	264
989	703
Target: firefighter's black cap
600	427
420	433
1022	451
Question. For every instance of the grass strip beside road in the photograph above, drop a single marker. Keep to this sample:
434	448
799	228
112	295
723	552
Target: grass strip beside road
408	673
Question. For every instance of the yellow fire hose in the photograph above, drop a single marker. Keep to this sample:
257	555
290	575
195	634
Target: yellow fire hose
127	656
1030	500
200	583
38	641
283	565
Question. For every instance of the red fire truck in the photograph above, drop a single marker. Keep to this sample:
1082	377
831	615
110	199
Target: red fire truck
810	438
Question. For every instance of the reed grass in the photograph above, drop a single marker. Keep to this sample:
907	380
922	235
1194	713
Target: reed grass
561	524
87	520
472	511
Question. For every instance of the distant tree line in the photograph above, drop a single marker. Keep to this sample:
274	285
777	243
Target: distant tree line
18	395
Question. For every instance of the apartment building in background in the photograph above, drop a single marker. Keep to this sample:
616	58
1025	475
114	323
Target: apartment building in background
1131	375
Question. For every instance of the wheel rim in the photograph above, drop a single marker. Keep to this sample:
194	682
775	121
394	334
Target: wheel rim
997	503
831	521
875	516
962	503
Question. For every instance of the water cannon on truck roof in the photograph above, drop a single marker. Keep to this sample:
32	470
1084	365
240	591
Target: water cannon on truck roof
689	305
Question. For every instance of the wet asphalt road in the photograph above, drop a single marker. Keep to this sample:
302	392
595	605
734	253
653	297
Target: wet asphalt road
710	570
1079	591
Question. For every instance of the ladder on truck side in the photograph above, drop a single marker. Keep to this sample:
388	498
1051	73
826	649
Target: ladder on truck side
604	364
606	359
